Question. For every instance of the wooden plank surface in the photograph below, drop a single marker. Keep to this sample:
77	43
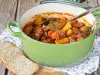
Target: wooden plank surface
92	2
98	1
2	69
7	13
23	6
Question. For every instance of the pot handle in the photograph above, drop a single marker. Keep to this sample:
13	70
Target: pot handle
15	24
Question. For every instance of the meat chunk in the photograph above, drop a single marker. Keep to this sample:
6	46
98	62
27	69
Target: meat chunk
61	34
78	25
76	30
36	33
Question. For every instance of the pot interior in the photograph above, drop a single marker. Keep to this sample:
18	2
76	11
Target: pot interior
55	7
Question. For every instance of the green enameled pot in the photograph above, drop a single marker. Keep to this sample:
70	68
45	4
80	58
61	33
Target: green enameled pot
53	54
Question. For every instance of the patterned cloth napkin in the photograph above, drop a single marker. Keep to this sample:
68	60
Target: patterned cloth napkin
88	65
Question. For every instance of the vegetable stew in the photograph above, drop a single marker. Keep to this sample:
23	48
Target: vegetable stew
54	28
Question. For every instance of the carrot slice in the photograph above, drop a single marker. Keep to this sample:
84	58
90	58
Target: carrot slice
55	35
50	33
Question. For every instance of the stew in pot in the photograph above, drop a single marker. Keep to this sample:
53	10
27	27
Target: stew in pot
54	28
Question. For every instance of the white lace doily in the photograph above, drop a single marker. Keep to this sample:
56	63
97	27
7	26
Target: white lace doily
88	65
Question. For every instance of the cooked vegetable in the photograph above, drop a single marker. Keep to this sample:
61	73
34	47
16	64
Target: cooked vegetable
62	22
38	20
62	41
69	32
57	24
54	28
55	35
66	27
50	33
45	22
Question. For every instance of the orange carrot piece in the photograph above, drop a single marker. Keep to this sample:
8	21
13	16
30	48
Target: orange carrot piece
50	33
55	35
